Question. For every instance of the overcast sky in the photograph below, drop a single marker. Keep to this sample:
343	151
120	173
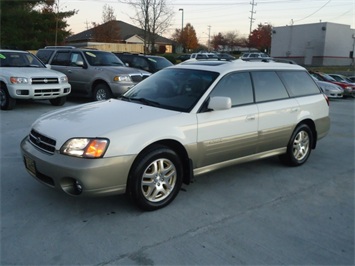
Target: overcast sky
214	16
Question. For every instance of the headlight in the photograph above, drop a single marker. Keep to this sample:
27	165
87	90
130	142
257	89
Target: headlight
122	78
64	79
85	147
19	80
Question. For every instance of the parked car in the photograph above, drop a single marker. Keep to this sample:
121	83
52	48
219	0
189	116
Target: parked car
182	121
255	56
342	78
183	57
150	63
23	76
92	73
204	56
225	56
349	89
331	90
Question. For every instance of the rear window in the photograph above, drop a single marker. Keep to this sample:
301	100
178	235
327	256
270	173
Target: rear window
299	83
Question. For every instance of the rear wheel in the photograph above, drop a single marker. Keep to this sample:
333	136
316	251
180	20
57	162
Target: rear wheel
156	178
102	92
6	101
299	147
58	101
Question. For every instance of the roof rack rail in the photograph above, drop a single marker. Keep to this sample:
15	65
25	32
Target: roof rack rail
59	47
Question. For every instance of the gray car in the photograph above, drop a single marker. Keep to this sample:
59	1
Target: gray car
92	73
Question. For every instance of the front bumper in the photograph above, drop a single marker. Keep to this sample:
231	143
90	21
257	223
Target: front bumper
38	92
77	176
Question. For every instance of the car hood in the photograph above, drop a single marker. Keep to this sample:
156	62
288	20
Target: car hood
29	72
97	119
123	70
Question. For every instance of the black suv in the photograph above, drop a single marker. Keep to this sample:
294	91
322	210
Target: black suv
150	63
92	73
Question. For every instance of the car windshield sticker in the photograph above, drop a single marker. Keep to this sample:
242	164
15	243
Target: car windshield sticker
2	56
90	54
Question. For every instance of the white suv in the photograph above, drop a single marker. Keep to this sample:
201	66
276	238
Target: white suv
182	121
24	76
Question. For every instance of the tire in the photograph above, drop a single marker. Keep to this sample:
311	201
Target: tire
6	101
299	147
58	101
102	92
156	178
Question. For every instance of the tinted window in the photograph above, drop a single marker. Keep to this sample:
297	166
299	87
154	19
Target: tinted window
61	58
75	58
237	86
268	86
44	55
99	58
298	83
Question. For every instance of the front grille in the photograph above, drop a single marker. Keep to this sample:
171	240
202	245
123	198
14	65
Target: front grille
42	142
45	81
138	77
46	92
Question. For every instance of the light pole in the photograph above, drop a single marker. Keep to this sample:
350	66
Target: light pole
182	27
182	19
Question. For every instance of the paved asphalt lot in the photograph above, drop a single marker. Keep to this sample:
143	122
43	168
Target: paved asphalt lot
260	213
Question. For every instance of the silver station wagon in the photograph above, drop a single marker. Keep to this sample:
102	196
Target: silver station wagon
182	121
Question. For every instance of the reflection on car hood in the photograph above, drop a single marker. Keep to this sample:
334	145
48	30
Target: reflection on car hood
96	119
29	72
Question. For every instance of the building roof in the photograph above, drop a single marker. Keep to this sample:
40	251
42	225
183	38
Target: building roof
126	31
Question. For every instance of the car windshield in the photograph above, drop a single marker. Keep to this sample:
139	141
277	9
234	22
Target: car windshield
19	59
100	58
173	89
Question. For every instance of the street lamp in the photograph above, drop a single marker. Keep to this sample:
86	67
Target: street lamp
182	19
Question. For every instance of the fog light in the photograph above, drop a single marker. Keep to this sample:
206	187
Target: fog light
78	187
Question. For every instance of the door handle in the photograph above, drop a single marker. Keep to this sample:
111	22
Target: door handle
69	71
294	110
250	118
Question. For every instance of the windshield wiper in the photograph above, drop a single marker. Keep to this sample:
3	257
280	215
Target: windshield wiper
145	101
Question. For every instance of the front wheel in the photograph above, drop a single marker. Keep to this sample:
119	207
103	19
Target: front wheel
102	92
156	178
6	101
299	147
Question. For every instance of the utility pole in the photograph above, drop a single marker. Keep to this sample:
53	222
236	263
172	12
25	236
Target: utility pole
209	37
252	12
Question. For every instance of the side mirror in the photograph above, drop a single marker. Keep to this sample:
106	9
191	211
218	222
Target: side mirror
48	66
220	103
80	63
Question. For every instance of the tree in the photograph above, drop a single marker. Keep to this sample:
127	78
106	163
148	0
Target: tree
153	16
260	38
31	24
227	41
108	31
108	14
187	38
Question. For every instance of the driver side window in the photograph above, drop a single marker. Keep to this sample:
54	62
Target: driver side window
237	86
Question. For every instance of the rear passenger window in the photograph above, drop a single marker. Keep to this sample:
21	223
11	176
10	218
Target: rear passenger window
268	86
237	86
61	59
298	83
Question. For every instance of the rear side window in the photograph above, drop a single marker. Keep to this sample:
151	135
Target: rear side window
298	83
61	59
268	86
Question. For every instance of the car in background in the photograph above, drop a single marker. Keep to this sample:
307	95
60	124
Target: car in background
349	89
255	56
149	63
342	78
225	56
183	57
92	73
332	91
182	121
209	56
23	76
